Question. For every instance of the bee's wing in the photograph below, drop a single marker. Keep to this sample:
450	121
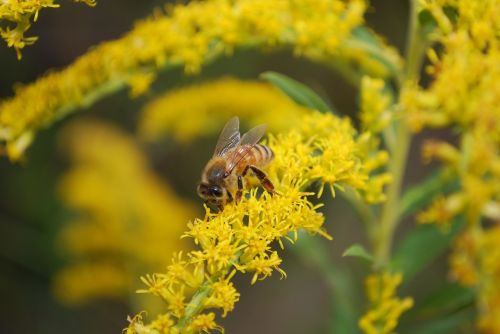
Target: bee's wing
229	137
248	141
253	135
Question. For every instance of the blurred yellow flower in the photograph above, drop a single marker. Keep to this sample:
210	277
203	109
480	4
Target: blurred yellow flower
84	281
466	74
189	36
465	86
324	150
129	220
475	262
442	210
199	110
465	94
20	12
375	114
386	307
140	82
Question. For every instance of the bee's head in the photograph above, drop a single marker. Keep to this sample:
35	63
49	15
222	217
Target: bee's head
210	192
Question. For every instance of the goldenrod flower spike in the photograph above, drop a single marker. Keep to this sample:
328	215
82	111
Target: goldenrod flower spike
21	12
475	262
385	306
465	95
125	213
323	149
189	36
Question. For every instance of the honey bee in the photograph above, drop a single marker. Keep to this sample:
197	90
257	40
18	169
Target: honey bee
234	156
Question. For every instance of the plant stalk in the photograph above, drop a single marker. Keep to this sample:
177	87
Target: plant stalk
390	216
195	305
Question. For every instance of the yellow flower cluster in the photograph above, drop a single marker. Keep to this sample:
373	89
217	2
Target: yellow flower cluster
20	13
129	220
476	163
475	262
199	110
188	36
386	307
324	150
469	60
465	94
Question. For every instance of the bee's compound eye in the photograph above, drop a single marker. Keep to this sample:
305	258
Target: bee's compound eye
215	191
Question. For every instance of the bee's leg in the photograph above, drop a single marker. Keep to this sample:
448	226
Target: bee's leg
211	205
230	197
266	183
240	188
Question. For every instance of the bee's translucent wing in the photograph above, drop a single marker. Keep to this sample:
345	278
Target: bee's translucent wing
229	137
248	141
253	135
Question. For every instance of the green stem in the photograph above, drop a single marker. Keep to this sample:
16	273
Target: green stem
390	212
417	44
195	306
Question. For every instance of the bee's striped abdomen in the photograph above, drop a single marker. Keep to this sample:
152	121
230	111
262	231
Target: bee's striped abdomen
259	155
266	154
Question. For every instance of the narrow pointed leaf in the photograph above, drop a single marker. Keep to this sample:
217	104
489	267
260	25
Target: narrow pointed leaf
450	323
358	250
422	194
447	298
421	246
297	91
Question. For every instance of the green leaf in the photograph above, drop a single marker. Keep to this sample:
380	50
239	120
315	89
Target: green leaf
421	246
449	297
366	35
344	316
365	39
446	324
345	294
358	250
424	192
297	91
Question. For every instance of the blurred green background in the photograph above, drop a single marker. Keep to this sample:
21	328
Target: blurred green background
31	213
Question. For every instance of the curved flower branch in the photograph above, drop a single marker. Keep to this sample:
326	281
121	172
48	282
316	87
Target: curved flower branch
189	36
